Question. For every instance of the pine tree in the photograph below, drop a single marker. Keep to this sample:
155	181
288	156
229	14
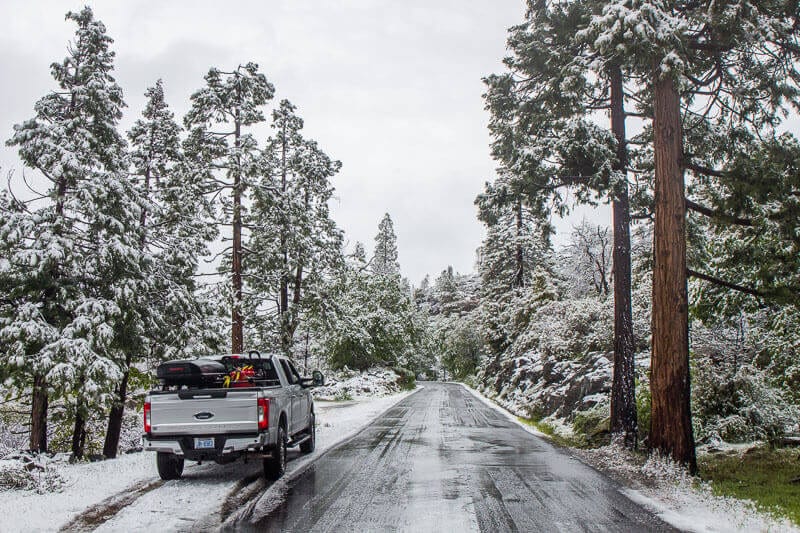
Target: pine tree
227	157
384	260
81	247
445	291
168	313
372	318
546	143
294	242
512	256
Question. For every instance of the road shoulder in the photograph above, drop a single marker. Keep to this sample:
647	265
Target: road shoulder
663	488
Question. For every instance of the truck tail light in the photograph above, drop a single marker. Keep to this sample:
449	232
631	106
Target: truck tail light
147	417
263	413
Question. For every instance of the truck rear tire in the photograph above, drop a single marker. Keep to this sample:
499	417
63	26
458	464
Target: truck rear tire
308	445
275	466
170	466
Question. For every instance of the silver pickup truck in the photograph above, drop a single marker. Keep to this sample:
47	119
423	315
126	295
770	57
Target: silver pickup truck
220	408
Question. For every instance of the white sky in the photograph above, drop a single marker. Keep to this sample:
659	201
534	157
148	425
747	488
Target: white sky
390	88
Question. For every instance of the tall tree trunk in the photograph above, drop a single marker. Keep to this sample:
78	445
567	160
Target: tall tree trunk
284	289
297	291
623	387
237	322
520	254
38	437
78	434
114	429
671	422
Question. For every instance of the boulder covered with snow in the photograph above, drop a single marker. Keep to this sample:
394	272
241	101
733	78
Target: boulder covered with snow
536	386
27	471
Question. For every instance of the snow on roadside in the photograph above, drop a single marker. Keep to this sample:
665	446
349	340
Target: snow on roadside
175	505
85	485
667	490
348	384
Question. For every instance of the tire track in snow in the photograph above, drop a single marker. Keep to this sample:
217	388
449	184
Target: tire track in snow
108	508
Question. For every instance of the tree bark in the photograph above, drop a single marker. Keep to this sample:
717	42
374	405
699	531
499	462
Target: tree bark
38	437
520	254
237	322
671	422
623	387
114	429
284	289
78	434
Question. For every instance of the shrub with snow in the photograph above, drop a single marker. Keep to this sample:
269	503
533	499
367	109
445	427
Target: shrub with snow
25	471
738	404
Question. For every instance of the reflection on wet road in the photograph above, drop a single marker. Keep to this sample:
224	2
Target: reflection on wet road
441	460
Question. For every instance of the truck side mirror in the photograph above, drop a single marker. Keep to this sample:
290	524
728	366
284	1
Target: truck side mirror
317	379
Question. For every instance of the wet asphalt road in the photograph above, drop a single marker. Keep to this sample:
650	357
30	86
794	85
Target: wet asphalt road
441	460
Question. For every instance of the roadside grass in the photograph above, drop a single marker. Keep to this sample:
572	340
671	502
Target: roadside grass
550	431
769	478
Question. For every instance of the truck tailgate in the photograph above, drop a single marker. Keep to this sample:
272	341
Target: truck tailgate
205	412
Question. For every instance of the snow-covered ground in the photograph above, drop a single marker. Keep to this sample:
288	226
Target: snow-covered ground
125	494
668	491
349	384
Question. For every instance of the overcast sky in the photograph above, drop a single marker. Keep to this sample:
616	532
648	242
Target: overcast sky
390	88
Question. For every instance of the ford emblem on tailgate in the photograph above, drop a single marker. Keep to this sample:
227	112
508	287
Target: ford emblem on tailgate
204	416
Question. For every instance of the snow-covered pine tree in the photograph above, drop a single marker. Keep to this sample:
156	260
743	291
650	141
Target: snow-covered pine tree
78	260
716	72
384	259
168	314
445	291
227	158
372	318
512	255
546	142
294	242
360	254
454	325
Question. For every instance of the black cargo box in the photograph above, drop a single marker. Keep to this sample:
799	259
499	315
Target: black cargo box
191	373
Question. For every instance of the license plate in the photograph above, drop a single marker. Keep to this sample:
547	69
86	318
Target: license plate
204	444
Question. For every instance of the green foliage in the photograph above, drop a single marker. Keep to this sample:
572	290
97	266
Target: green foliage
550	431
470	381
406	379
371	318
763	476
643	409
737	404
461	346
592	427
343	396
